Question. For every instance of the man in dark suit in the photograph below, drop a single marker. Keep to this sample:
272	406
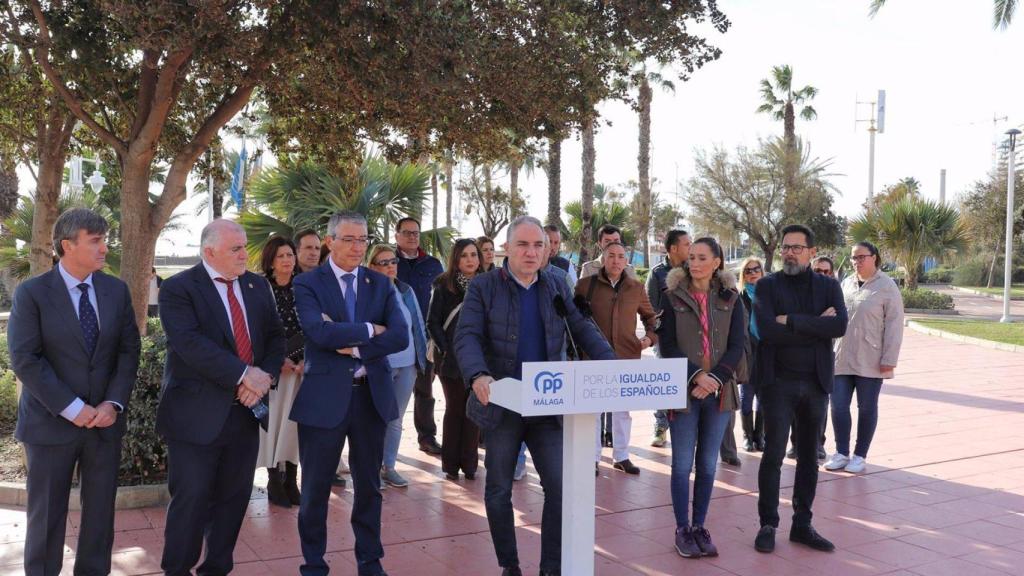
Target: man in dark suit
798	313
75	347
351	320
225	345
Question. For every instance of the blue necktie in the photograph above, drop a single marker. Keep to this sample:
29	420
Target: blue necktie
87	317
350	296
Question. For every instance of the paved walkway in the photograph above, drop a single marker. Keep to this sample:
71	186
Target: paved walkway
978	307
943	494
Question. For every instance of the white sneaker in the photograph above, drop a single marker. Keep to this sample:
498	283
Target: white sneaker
837	462
856	465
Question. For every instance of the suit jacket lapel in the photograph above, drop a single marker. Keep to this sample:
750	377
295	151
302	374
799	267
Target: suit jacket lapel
108	306
209	292
335	300
364	289
252	310
62	303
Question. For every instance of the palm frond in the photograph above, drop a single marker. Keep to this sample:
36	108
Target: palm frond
808	113
876	5
1003	11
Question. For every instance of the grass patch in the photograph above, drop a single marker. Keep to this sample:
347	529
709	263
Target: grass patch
1012	333
1016	291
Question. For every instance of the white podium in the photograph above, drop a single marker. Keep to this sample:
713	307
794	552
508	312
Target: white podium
580	391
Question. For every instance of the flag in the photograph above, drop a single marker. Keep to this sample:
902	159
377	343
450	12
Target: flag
237	190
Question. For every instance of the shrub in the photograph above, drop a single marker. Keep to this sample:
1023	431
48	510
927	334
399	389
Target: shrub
938	275
974	272
926	299
8	390
144	454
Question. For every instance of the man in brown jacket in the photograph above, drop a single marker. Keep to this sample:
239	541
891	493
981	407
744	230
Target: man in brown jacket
615	300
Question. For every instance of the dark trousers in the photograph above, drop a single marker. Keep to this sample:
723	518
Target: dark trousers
461	437
210	487
821	437
801	403
319	452
50	470
543	436
423	405
728	448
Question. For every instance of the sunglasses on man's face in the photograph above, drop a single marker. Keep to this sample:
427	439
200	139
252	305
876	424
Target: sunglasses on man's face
825	271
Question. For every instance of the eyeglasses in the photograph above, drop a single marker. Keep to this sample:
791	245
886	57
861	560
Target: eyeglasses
794	248
825	271
410	233
861	257
386	262
360	240
752	270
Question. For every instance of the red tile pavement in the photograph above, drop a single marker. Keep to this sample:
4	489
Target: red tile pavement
943	494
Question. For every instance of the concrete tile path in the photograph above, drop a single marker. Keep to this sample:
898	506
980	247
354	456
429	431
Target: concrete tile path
943	495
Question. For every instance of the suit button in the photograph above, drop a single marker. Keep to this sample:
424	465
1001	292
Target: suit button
351	370
513	336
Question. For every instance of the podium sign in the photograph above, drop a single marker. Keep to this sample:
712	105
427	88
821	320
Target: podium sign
579	391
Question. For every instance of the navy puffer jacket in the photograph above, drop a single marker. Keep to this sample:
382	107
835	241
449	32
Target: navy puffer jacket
487	336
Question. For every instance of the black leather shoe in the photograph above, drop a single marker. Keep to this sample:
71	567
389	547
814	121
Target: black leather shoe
808	536
512	571
765	540
338	480
550	573
791	453
430	446
626	466
732	461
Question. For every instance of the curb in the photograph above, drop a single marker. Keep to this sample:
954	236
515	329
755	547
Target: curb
128	497
931	312
986	294
965	339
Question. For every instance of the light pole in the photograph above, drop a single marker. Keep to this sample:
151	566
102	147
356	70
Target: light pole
1008	265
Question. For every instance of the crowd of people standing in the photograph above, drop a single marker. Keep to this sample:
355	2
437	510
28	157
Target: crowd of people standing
326	346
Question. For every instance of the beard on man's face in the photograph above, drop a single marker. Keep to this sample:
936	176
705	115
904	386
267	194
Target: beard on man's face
792	267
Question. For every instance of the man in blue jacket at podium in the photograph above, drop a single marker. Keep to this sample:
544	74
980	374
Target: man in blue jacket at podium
514	314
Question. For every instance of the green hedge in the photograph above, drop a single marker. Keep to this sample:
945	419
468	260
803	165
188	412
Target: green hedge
938	275
926	299
974	272
143	453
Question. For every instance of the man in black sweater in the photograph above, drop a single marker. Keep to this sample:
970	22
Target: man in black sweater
798	313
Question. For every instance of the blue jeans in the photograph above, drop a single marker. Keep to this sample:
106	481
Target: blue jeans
403	379
543	436
698	430
867	390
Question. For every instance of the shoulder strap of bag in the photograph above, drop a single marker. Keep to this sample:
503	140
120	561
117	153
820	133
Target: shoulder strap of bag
451	315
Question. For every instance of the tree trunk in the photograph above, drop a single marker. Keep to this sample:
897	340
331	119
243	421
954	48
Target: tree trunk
789	127
992	265
52	145
433	193
554	180
8	187
513	188
644	166
769	254
587	199
138	224
448	170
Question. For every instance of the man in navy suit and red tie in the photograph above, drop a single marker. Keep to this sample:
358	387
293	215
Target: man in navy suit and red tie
75	347
225	346
351	321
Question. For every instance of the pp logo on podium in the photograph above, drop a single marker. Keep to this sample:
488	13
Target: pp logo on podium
548	385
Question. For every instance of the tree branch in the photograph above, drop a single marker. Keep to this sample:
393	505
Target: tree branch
147	84
73	103
161	100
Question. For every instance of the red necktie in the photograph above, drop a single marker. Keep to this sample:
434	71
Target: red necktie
242	342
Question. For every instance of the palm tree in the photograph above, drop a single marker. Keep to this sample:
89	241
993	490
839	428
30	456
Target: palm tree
912	229
613	213
587	198
292	197
1002	12
781	100
553	167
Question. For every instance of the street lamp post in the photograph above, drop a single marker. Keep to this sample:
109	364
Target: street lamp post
1008	265
97	181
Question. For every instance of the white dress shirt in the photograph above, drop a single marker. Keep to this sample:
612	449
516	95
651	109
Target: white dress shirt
222	291
71	283
338	273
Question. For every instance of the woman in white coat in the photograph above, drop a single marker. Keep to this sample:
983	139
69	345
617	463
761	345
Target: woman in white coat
866	355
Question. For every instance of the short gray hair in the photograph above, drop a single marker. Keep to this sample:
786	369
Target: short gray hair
211	232
72	221
350	216
523	220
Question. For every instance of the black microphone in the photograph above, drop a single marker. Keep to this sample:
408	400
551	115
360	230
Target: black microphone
583	305
563	312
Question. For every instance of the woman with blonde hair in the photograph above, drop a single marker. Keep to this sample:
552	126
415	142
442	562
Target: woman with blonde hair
751	271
